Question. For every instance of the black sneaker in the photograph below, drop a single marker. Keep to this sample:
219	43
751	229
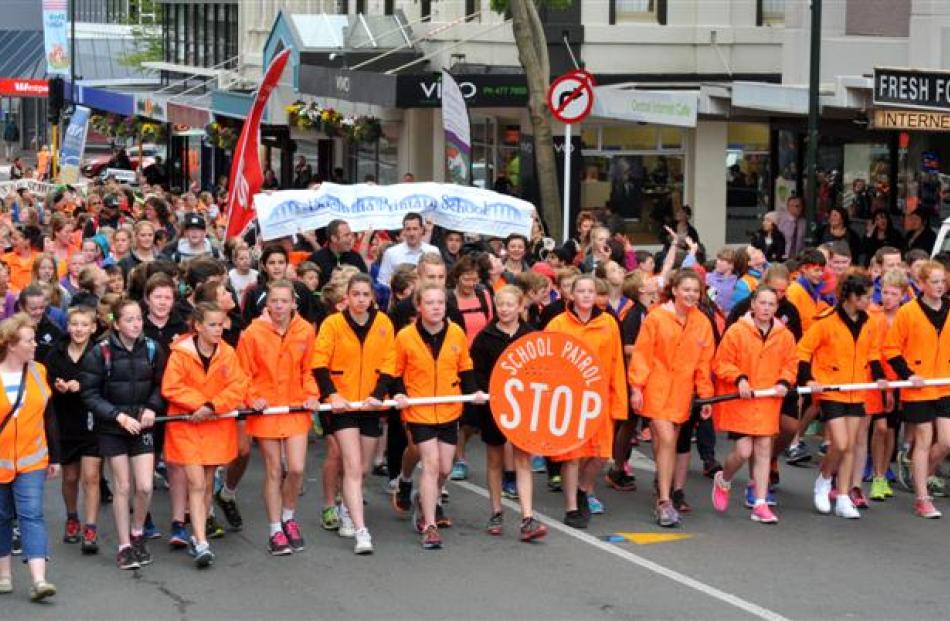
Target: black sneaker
380	470
126	559
402	500
140	549
710	468
213	529
797	454
532	529
583	505
230	510
576	519
620	480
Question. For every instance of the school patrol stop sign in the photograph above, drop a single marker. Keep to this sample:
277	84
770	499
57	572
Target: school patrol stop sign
548	392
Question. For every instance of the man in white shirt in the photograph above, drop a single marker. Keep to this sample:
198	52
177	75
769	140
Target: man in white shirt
408	250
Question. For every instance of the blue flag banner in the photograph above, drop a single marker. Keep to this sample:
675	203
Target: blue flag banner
74	144
366	206
54	36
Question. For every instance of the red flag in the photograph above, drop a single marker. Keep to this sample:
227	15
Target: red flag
246	176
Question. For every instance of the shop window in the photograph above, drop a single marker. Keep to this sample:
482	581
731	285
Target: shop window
637	11
590	136
374	158
770	12
867	182
425	9
671	138
747	179
629	138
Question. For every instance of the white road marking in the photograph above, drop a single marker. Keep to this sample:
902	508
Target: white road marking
728	598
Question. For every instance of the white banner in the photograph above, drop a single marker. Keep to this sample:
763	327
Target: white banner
39	188
378	207
458	134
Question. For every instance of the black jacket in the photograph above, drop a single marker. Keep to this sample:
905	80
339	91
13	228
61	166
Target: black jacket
47	335
164	336
255	299
132	384
774	251
486	349
71	412
327	261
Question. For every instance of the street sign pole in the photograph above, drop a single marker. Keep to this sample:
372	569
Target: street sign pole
567	182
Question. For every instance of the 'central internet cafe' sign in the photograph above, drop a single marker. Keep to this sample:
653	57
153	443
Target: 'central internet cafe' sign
910	88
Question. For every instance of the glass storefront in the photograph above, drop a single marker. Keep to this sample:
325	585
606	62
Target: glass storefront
747	179
639	171
496	151
374	158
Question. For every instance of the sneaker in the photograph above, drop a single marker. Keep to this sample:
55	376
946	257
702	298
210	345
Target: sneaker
532	529
821	495
16	544
666	515
749	496
42	589
179	537
496	524
126	559
538	464
879	489
330	518
364	542
509	490
904	470
72	530
858	498
416	518
431	539
380	470
441	519
230	510
888	490
459	471
213	528
90	541
402	501
924	507
347	527
595	505
762	514
161	476
279	546
582	504
554	483
936	487
679	501
823	448
620	480
151	531
710	468
576	519
720	492
391	487
292	530
797	454
204	557
6	586
845	508
141	550
444	494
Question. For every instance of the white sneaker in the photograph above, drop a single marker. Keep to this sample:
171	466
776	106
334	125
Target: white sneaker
391	487
822	489
364	542
347	528
845	508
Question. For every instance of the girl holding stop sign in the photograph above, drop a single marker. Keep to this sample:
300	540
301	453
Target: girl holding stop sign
671	362
598	331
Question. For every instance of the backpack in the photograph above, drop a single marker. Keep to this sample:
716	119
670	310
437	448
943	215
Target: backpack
106	350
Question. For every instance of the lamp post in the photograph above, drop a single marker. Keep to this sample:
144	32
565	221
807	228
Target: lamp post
811	162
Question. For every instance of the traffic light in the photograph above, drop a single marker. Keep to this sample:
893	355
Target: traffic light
56	100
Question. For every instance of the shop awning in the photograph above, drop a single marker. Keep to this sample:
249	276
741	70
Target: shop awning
21	54
675	108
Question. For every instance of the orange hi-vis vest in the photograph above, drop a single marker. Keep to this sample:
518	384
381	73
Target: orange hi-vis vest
23	445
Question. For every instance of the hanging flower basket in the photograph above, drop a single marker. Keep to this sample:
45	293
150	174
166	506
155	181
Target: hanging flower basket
314	117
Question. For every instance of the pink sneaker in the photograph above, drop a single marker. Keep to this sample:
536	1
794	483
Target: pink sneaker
924	507
762	513
720	492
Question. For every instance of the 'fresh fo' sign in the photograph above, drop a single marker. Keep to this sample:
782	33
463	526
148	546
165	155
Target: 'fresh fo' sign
547	392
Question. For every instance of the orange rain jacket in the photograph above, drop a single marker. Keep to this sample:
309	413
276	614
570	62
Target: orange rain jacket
913	347
279	371
873	399
764	361
187	386
349	366
671	361
831	353
425	376
23	442
601	337
808	308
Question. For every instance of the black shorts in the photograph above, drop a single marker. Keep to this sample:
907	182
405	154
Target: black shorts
326	423
113	445
72	450
491	434
447	433
790	406
368	424
925	411
831	410
471	416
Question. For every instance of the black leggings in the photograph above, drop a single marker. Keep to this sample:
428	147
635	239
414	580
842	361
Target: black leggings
396	443
705	436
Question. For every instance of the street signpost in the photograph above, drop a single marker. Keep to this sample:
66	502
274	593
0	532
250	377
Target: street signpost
570	99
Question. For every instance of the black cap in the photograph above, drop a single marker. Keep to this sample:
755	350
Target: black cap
111	201
194	221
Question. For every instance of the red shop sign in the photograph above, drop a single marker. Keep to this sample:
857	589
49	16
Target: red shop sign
15	87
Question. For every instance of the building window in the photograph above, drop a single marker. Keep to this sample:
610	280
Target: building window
747	179
425	9
637	11
378	159
388	7
770	12
473	10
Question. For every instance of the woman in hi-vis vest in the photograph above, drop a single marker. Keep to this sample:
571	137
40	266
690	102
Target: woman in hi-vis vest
29	453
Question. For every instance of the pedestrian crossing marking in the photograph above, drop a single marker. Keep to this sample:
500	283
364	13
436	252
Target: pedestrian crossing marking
648	538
